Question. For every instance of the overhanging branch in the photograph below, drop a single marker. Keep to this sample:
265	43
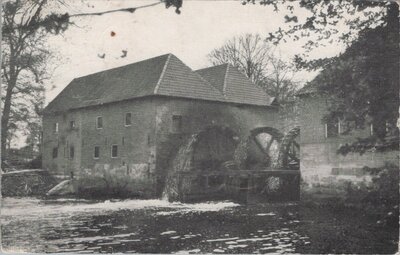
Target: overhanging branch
130	10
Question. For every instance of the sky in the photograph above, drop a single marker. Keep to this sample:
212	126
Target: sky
201	27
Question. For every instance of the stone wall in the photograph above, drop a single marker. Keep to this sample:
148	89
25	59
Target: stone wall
150	143
289	115
62	165
198	115
320	164
135	142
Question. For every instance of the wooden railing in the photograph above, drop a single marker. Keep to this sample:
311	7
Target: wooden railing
241	185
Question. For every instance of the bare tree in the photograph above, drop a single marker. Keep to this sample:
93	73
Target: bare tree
24	58
249	53
279	80
255	57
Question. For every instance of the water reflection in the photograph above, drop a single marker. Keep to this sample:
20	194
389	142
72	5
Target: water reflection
83	226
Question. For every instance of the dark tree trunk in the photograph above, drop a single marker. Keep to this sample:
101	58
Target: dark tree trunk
5	118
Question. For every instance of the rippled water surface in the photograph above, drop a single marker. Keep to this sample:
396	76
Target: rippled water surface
157	226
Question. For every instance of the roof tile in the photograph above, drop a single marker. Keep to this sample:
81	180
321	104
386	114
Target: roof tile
163	75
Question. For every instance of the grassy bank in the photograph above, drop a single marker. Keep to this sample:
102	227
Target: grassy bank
380	199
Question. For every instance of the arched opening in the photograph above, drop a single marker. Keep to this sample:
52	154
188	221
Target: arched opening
262	148
209	150
198	161
214	149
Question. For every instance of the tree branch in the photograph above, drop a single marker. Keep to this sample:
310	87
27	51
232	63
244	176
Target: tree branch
130	10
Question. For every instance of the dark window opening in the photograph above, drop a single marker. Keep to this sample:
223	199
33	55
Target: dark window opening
332	128
99	122
244	184
128	119
71	152
96	152
384	128
72	124
176	123
55	152
114	151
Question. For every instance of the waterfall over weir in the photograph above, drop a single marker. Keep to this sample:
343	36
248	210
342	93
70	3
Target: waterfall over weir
182	163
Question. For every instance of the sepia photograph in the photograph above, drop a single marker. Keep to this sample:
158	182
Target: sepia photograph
200	126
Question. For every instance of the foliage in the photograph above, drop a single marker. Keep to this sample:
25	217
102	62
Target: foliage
26	23
382	196
24	68
362	83
35	163
361	86
323	22
371	144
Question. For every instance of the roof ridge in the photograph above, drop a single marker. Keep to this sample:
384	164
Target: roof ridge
200	77
210	67
226	75
162	74
208	83
121	66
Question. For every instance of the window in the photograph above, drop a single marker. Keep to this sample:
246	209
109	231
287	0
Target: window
71	152
128	119
332	128
99	122
382	128
55	152
72	124
114	151
176	123
96	151
347	126
55	127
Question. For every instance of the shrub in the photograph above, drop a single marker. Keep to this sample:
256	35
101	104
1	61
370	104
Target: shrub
382	196
35	163
114	183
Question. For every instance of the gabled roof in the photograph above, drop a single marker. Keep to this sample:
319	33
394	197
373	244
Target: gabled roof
163	75
235	86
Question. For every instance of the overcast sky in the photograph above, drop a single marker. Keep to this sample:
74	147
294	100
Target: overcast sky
201	27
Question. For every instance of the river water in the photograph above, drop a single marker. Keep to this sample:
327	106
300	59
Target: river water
157	226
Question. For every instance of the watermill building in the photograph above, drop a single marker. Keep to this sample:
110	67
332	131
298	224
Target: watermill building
140	116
